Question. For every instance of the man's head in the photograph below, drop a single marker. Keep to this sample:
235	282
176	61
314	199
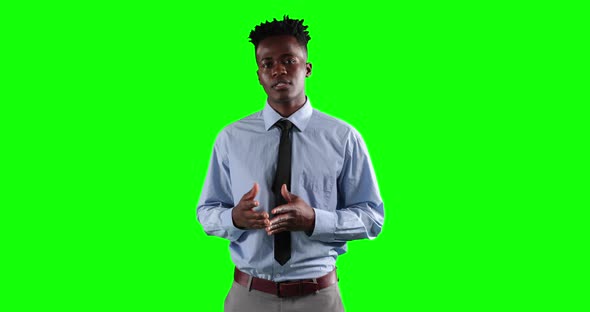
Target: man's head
281	56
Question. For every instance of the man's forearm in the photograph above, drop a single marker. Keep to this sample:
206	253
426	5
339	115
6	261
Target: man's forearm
351	223
217	221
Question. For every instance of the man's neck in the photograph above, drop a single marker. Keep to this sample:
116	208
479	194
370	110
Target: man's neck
287	109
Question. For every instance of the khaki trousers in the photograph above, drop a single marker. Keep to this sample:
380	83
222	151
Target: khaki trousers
242	300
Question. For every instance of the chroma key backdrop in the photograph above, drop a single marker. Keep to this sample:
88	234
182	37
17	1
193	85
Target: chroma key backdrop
472	113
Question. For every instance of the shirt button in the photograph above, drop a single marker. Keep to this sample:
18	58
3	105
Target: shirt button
279	275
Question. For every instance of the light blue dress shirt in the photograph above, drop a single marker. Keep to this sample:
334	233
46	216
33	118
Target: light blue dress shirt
330	170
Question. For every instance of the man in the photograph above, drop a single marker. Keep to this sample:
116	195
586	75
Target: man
288	186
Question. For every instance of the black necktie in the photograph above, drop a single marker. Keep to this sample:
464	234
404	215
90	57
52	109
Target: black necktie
283	176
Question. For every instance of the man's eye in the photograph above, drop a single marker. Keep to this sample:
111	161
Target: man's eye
289	61
266	65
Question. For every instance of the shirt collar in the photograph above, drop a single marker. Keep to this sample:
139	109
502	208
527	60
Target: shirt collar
300	118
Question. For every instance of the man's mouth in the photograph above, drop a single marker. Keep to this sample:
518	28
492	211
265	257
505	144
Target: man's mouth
281	84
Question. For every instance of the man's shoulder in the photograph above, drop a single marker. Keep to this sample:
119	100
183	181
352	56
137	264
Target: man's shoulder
252	120
252	123
255	117
325	121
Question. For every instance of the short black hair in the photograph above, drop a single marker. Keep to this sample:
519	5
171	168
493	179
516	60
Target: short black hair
287	26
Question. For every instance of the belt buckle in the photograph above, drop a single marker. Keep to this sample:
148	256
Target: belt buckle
283	286
280	293
301	288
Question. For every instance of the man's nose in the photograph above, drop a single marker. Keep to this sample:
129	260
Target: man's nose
279	69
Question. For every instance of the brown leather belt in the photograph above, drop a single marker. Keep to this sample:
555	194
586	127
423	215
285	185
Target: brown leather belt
287	288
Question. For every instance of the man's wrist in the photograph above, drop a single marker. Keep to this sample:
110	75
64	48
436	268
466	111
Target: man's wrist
311	227
233	220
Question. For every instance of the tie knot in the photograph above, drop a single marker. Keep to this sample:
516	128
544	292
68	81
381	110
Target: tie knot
284	124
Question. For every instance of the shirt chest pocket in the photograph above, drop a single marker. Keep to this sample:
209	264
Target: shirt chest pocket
317	190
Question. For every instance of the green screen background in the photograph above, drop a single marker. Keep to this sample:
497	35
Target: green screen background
472	113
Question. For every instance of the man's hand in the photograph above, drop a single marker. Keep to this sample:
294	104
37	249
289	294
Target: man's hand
244	216
295	215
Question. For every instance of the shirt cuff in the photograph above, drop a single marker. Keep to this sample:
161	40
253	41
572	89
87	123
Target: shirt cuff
233	233
325	225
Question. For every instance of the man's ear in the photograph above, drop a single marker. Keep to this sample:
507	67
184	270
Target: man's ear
307	69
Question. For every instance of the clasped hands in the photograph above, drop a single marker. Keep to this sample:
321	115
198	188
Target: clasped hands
295	215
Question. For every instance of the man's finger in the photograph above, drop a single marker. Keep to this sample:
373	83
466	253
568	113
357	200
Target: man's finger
258	216
283	209
279	220
259	225
248	204
276	230
285	193
252	192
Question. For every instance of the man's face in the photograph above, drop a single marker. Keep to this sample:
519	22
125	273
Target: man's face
282	69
